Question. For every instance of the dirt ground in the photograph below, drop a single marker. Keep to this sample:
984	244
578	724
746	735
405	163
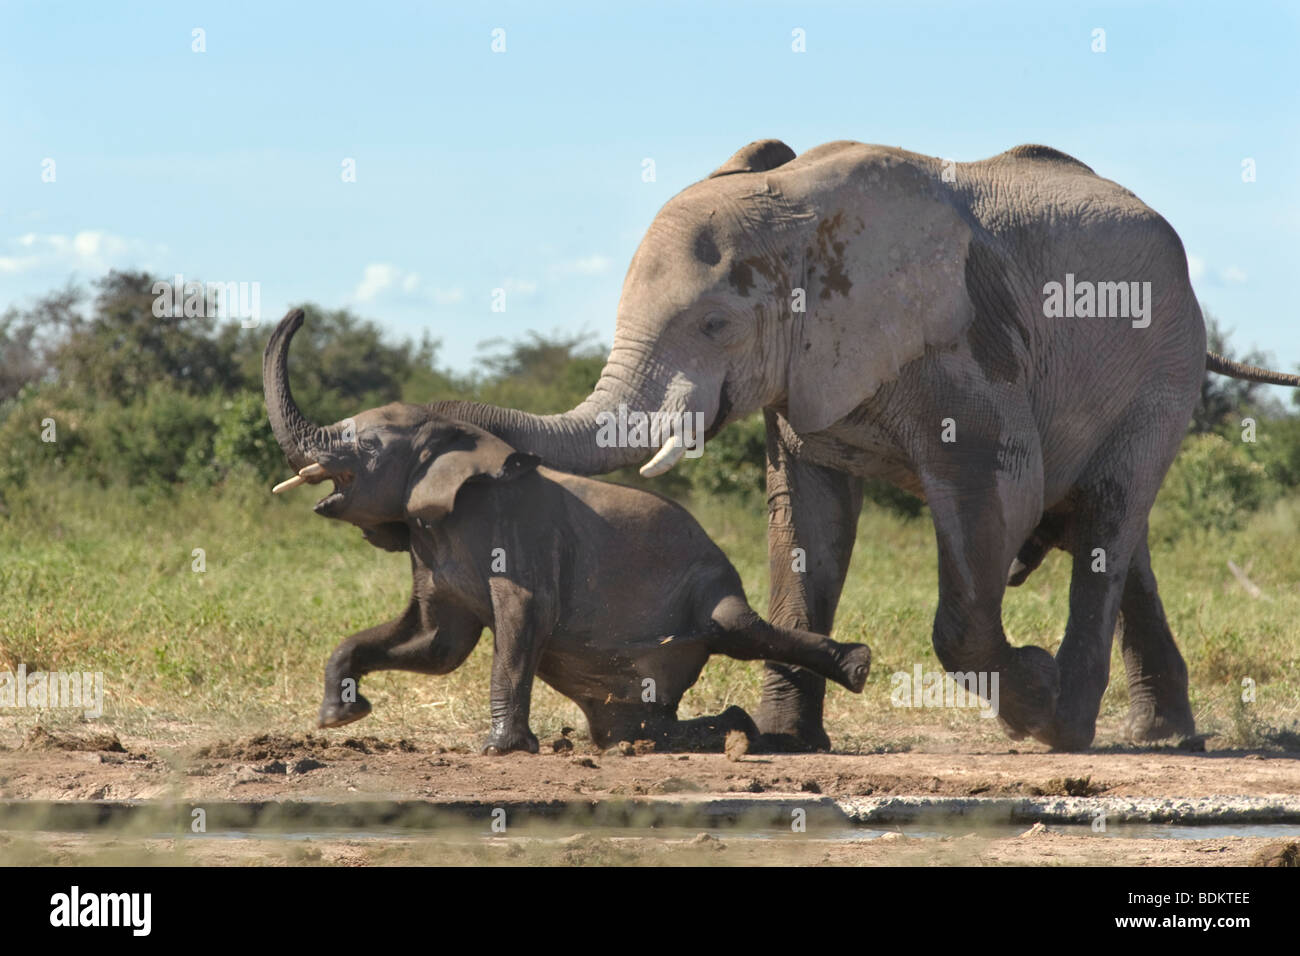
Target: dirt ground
1034	848
47	766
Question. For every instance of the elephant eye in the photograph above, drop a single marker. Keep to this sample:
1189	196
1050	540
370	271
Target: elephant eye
713	324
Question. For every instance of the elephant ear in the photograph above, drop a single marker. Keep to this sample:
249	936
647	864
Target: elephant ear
473	455
759	156
885	277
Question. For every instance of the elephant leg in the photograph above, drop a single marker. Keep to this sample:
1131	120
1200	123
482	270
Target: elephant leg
434	643
342	702
1157	676
518	639
985	491
1103	541
742	634
812	522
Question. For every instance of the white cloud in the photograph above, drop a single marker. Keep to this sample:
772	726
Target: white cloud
381	278
521	286
1198	270
375	279
584	266
90	249
16	263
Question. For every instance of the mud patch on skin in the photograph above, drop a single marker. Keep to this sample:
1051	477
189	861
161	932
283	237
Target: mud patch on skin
830	253
741	278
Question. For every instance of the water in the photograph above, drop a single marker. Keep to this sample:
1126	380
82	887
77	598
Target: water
461	834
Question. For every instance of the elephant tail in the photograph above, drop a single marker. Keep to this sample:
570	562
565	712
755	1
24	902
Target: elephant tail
1214	362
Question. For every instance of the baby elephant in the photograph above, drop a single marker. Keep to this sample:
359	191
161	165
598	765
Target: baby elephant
612	595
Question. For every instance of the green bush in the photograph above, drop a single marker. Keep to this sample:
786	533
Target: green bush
1277	448
243	438
1212	486
734	463
36	412
158	440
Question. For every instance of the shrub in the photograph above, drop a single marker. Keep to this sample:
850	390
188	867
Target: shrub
243	438
1277	448
734	463
1213	485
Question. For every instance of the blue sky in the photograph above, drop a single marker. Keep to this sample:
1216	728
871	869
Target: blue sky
523	170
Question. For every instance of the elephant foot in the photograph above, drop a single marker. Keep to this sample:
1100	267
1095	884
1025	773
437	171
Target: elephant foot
804	743
789	718
513	742
1068	735
1028	689
855	667
1148	721
707	734
334	713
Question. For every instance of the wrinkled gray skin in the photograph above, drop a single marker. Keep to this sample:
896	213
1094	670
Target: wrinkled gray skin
924	303
593	587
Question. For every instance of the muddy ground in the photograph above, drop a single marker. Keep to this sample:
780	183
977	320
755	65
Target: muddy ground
44	765
52	766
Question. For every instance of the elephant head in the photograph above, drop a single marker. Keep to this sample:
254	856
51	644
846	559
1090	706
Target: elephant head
800	284
390	464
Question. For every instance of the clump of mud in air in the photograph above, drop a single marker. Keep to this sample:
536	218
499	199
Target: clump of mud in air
737	745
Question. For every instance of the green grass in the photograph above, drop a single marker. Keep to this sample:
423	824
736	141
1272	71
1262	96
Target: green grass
97	580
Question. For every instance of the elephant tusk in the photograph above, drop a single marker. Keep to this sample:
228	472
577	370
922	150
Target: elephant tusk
668	455
288	483
314	470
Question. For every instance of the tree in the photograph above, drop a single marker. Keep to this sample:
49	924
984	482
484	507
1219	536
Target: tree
124	348
27	338
539	373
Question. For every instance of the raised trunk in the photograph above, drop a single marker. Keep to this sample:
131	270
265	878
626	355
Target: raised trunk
299	438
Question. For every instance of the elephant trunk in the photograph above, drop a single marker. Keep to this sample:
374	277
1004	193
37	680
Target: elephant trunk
300	439
583	440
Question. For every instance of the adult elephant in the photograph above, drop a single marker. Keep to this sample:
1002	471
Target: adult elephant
1015	340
